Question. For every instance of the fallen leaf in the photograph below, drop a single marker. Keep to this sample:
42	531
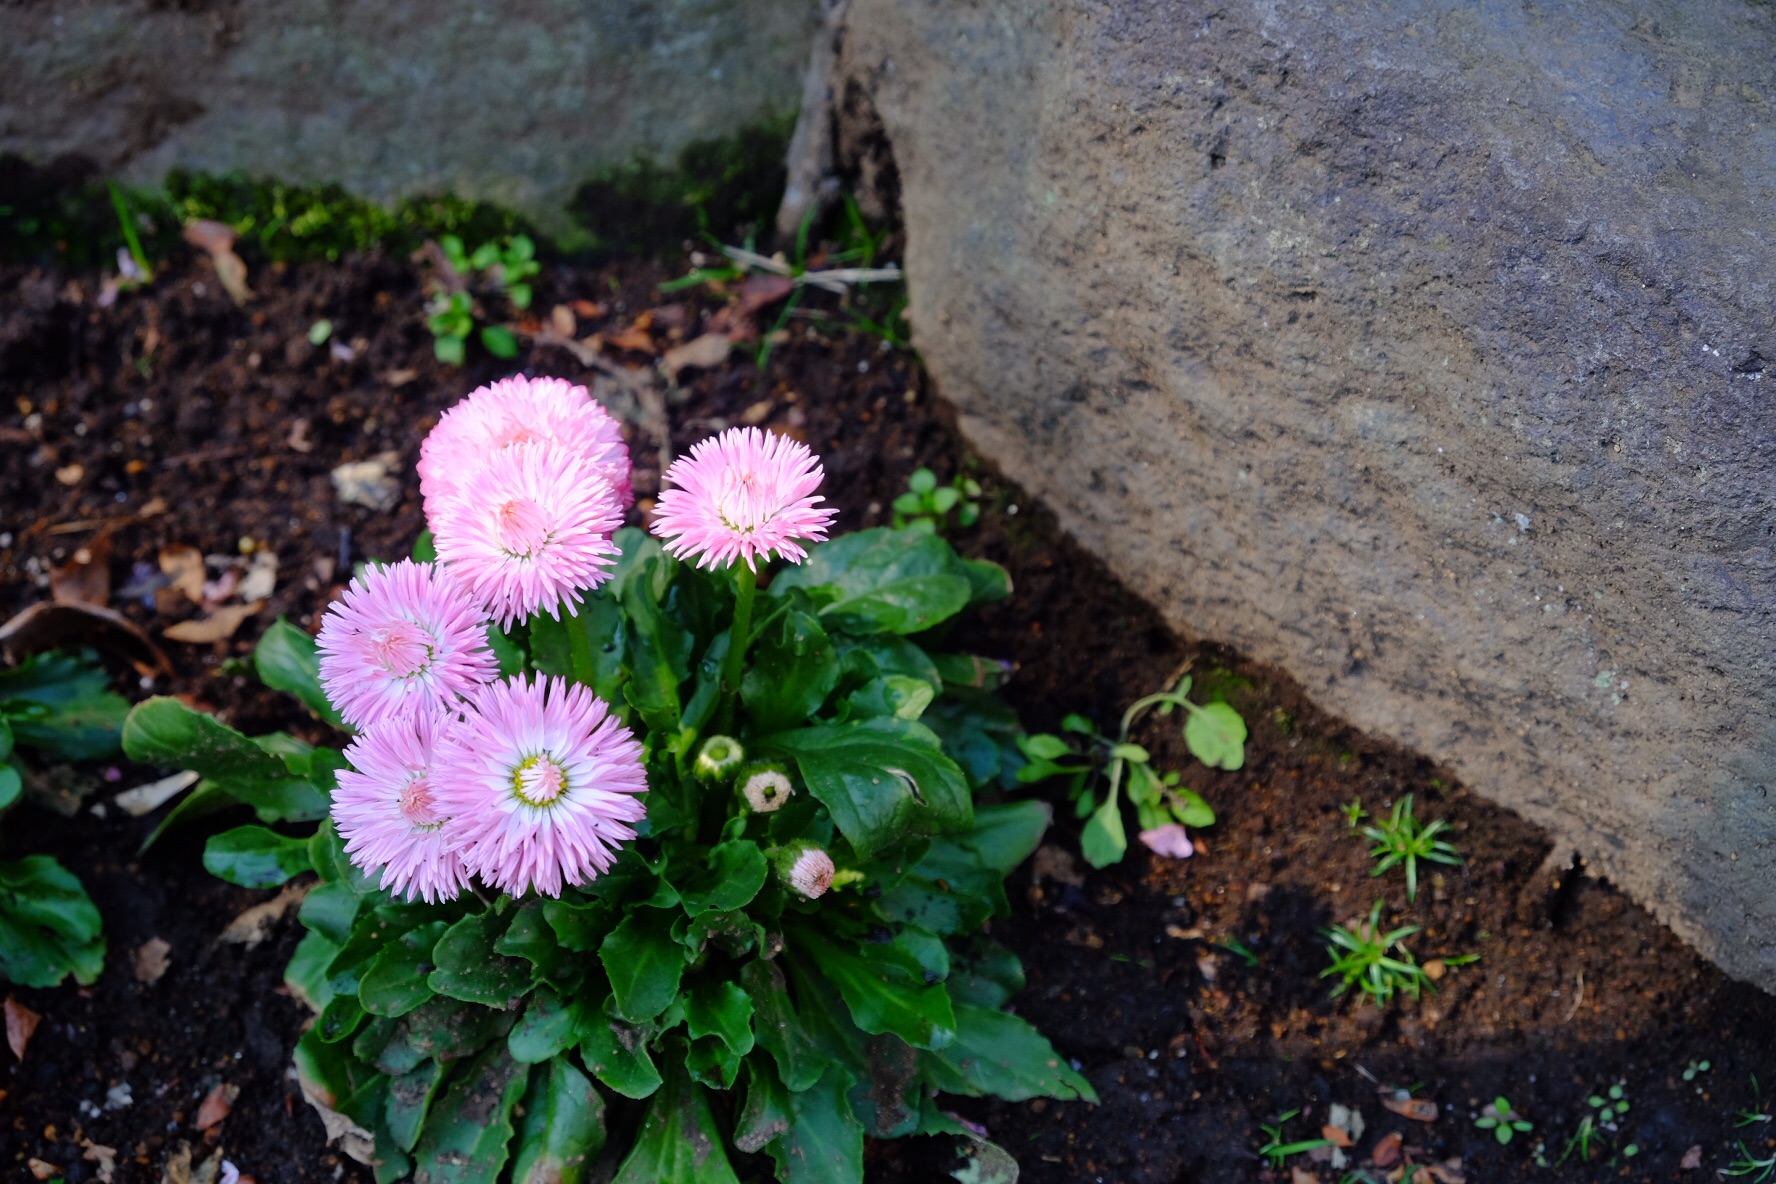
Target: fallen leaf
145	799
1387	1150
700	353
634	337
150	960
1336	1135
353	1139
21	1022
217	240
261	578
184	569
1692	1159
369	483
177	1169
71	474
105	1157
86	577
562	320
1299	1175
1057	864
1194	933
757	413
254	925
219	625
298	440
42	1170
1417	1109
760	289
399	378
671	317
216	1105
48	625
1447	1172
586	309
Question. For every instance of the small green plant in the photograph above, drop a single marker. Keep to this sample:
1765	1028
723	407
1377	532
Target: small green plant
494	270
1353	813
1238	949
1375	961
1504	1122
1401	840
926	505
1603	1123
1694	1068
1215	735
1277	1151
49	926
132	241
1750	1165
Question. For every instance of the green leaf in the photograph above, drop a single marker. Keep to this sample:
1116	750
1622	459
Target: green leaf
254	857
1216	736
778	1029
563	1127
306	973
75	729
468	1134
12	785
1103	841
731	875
679	1142
499	341
425	547
163	731
1191	810
882	779
49	926
447	347
443	1030
644	965
550	1027
617	1054
507	652
790	672
766	1112
1005	835
988	582
330	909
894	696
722	1010
287	661
883	987
883	581
396	982
659	652
922	481
824	1143
468	968
530	937
410	1098
997	1053
984	974
588	646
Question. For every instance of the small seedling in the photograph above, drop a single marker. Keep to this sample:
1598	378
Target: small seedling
926	505
493	270
1607	1111
1748	1164
1375	962
1504	1122
1694	1068
1214	733
137	258
1401	840
1238	949
1277	1151
1354	813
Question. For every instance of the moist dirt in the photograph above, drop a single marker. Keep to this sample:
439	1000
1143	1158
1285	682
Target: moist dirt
1189	992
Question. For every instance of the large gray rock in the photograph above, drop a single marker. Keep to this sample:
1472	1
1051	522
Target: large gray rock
516	103
1423	347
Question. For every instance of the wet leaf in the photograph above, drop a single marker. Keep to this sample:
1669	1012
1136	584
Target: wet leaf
563	1127
824	1143
49	926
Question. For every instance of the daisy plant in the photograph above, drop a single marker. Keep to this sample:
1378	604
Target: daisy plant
657	857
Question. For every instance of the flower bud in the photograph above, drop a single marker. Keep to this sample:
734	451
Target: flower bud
719	757
805	869
766	786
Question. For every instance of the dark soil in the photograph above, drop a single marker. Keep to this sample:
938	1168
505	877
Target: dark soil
178	395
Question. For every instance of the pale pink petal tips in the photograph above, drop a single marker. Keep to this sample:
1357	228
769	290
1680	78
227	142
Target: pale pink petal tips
743	495
387	811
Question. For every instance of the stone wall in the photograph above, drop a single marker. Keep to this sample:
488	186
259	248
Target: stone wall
1426	348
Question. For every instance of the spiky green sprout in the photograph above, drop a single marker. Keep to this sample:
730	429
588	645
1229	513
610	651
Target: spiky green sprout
1401	840
1375	962
1277	1151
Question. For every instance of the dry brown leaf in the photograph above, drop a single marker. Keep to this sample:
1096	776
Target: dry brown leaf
353	1139
586	309
634	337
48	625
701	353
177	1169
761	289
1417	1109
70	474
261	578
21	1023
1387	1150
1057	864
150	960
184	569
369	483
1300	1175
42	1170
219	625
1692	1159
145	799
1336	1135
254	925
563	321
1447	1172
216	239
216	1105
207	1171
105	1157
86	577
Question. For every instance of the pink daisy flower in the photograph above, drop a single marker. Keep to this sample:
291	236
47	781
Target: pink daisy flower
541	785
528	531
746	494
516	411
387	810
401	638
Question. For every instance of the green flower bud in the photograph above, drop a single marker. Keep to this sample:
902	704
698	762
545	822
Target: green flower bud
719	757
765	785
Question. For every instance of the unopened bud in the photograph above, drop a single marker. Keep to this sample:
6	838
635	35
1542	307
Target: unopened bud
719	757
806	869
766	786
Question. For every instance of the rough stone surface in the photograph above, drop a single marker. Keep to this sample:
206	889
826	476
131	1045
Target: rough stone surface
1423	347
516	102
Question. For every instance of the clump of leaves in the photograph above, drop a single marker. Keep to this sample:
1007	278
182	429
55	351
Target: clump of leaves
1402	841
466	285
489	1034
1748	1164
1603	1124
1504	1122
1377	962
1276	1150
926	505
1214	733
49	926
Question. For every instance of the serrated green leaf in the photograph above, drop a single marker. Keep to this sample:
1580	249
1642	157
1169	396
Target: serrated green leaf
49	926
254	857
824	1144
731	875
563	1127
679	1142
617	1054
550	1026
776	1026
409	1100
643	963
722	1010
467	967
396	981
468	1134
1216	736
287	661
998	1053
789	673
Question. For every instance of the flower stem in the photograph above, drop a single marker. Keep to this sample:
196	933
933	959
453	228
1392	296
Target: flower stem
745	585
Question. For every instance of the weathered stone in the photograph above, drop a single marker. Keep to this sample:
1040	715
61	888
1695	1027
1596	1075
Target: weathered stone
514	103
1422	347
